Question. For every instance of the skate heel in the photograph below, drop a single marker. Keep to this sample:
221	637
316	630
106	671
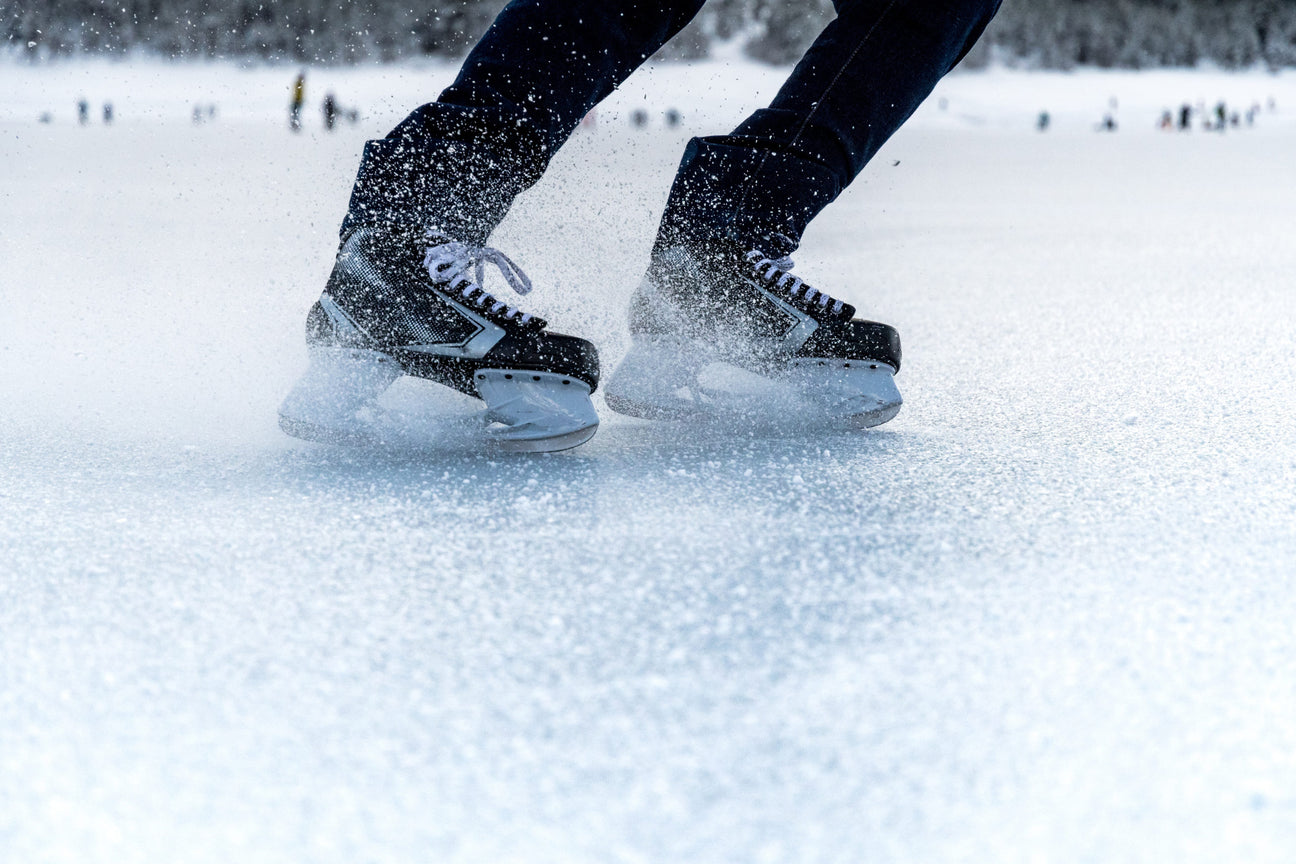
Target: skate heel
658	379
862	392
334	401
535	412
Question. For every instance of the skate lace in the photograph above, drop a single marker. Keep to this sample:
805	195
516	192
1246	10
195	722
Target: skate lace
462	268
775	272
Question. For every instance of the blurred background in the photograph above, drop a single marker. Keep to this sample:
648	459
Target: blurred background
1050	34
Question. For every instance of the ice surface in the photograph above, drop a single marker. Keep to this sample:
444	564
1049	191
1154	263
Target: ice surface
1043	615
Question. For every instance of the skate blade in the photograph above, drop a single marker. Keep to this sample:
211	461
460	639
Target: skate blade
657	380
335	400
861	392
670	379
535	412
361	399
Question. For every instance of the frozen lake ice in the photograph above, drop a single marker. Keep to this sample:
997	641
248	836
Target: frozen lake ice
1044	615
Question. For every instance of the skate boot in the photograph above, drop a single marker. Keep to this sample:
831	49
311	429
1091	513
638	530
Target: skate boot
410	302
729	332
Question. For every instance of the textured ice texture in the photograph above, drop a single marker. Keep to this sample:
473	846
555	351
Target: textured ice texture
1043	615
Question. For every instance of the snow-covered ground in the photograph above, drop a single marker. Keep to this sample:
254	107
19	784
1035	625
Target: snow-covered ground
1045	615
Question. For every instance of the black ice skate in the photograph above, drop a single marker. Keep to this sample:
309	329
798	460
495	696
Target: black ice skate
411	303
730	332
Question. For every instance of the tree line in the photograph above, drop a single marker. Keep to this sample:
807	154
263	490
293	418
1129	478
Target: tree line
1052	34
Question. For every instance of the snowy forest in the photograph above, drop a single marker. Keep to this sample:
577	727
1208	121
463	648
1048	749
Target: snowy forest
1041	33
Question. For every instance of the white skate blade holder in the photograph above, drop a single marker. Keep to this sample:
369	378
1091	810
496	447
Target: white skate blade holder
675	378
536	411
336	401
862	392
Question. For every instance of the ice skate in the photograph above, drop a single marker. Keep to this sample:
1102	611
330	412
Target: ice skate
732	333
411	303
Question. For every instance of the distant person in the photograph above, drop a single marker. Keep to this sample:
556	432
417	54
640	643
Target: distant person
330	111
405	294
1166	123
298	99
1043	121
108	113
83	112
1185	118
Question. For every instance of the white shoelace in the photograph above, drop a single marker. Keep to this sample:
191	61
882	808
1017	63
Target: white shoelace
776	273
449	261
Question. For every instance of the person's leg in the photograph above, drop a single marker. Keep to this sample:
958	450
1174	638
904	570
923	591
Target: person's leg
718	289
405	294
456	164
860	80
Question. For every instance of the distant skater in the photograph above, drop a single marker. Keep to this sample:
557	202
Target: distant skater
405	295
330	111
298	99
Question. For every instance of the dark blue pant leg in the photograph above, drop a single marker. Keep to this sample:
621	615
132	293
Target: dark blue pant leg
860	80
457	163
